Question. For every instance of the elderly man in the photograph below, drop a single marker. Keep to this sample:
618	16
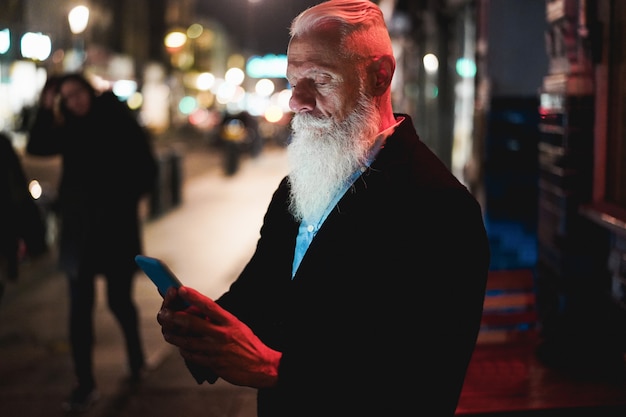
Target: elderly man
364	295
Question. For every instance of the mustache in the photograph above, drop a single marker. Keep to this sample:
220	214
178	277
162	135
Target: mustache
308	121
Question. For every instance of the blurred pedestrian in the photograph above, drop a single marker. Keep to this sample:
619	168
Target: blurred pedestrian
108	165
22	226
364	295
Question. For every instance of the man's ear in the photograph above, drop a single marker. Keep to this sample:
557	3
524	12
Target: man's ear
382	69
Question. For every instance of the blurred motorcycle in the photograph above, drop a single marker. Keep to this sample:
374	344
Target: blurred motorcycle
238	134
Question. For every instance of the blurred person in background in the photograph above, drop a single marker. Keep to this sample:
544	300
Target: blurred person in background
108	165
42	107
22	226
364	295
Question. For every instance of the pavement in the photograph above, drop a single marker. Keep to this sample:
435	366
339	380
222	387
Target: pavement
206	240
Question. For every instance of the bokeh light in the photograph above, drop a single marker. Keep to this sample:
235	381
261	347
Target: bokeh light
431	63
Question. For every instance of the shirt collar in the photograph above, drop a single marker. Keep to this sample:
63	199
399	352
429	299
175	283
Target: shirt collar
381	138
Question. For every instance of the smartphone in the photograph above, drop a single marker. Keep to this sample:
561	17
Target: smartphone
164	278
158	272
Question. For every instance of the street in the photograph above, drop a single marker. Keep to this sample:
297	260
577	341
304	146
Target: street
205	240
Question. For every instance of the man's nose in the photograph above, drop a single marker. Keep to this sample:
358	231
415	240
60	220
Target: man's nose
302	99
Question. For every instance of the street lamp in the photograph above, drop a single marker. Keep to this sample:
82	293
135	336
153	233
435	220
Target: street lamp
78	18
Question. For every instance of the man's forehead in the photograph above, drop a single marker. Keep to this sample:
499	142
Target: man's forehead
318	38
314	51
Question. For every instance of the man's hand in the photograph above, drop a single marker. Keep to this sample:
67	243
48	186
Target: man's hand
209	336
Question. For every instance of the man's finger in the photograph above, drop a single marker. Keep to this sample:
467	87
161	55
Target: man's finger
204	304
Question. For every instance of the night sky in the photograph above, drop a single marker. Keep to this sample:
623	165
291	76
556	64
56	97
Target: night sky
270	20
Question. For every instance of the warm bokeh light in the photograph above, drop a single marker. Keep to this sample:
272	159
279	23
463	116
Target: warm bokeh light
205	99
225	92
431	63
175	40
234	76
256	104
78	18
205	81
273	113
27	77
236	61
100	83
36	46
194	31
183	60
264	87
35	189
206	40
135	101
283	100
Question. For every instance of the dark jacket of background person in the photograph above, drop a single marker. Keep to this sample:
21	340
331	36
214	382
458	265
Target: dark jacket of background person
21	222
418	304
108	165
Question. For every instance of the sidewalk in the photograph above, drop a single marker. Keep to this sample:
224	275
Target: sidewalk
206	241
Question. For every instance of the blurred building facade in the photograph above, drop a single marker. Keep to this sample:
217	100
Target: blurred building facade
581	270
121	41
537	133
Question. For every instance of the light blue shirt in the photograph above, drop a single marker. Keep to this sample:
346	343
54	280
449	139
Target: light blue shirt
309	227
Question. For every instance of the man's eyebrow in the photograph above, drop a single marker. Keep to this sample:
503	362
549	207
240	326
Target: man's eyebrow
309	66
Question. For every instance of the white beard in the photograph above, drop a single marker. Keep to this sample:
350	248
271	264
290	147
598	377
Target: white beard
324	154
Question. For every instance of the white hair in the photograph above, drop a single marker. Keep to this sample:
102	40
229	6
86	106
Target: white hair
357	20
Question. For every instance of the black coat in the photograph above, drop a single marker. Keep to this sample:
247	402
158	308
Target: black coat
384	311
108	165
20	218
